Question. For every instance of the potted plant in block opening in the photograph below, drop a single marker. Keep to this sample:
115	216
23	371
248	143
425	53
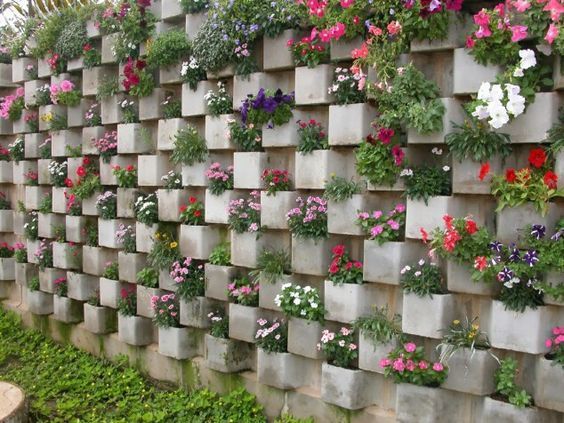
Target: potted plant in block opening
243	311
188	278
273	268
509	400
380	159
173	339
383	227
132	329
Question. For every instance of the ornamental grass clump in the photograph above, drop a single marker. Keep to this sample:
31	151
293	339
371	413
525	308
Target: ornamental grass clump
407	364
309	218
339	189
342	269
271	265
463	335
381	327
383	227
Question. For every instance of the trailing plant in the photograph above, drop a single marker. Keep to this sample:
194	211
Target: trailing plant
189	147
312	137
301	302
342	269
423	279
339	347
168	48
189	278
244	291
506	386
272	337
383	227
339	189
309	218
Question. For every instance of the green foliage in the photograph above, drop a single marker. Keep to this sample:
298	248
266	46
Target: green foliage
219	324
33	284
380	163
136	25
246	137
463	335
189	147
164	252
506	386
111	271
172	108
271	264
312	137
71	40
91	230
427	181
272	337
381	326
168	48
193	6
107	88
221	255
220	102
555	135
46	204
339	189
89	185
301	302
423	279
148	277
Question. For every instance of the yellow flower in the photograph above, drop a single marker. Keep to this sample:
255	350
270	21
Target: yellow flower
475	327
157	235
173	244
456	322
47	117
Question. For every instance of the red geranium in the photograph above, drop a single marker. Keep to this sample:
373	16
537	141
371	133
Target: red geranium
80	171
192	200
471	226
510	175
484	170
550	179
68	182
338	250
537	157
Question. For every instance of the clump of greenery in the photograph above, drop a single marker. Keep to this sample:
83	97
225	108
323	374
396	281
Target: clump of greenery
339	189
108	88
463	335
148	277
506	387
189	147
71	40
168	48
193	6
271	264
381	327
111	271
424	182
221	255
422	279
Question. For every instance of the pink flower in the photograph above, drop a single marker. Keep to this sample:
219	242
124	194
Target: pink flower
410	365
521	5
410	347
385	362
394	27
346	3
551	34
548	343
400	208
66	86
470	43
398	365
519	32
423	365
20	92
482	18
438	367
483	32
556	8
376	230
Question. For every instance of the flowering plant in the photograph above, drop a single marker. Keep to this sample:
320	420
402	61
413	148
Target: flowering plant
172	107
172	180
266	108
4	202
462	335
20	252
245	137
31	226
193	213
90	56
219	324
536	184
192	73
106	146
138	81
407	364
12	106
342	269
309	218
167	311
65	93
127	304
348	87
244	214
44	254
129	111
31	178
56	63
164	252
380	159
275	180
219	103
556	345
461	240
423	279
4	154
301	302
92	116
88	179
339	347
125	236
58	173
31	72
189	277
17	149
219	179
309	51
126	176
497	102
312	137
272	337
6	250
106	204
383	227
73	206
426	181
61	286
111	270
520	272
146	208
30	119
244	291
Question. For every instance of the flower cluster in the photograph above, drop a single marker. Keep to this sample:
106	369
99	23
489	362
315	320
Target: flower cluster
146	208
125	236
301	302
88	179
276	180
61	286
136	80
11	106
497	102
20	252
383	227
189	278
339	347
31	178
407	364
380	159
556	345
64	93
6	250
167	311
92	116
312	137
425	279
17	149
129	111
107	145
193	213
267	109
91	56
244	291
219	103
192	73
44	254
172	180
244	214
348	87
309	218
309	50
342	269
126	176
219	324
272	337
4	154
127	303
73	205
219	179
58	173
106	203
164	251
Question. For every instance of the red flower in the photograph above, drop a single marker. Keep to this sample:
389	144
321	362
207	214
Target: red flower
510	175
537	157
484	170
68	182
130	168
87	47
183	208
448	221
424	235
333	268
550	179
192	200
385	135
480	263
338	250
80	171
123	293
85	161
471	226
197	213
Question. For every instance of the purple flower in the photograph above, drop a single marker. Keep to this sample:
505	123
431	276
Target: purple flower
505	275
538	231
514	257
496	246
557	235
531	258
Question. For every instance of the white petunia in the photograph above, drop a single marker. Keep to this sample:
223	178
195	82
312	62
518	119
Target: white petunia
498	113
485	91
496	93
528	59
481	112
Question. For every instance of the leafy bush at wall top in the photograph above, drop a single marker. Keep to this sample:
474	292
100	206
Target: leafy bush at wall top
73	37
168	48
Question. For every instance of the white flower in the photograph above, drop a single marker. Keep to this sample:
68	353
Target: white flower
313	305
499	116
437	151
446	168
307	289
516	105
518	73
406	172
421	262
481	112
297	301
512	90
484	91
528	59
496	93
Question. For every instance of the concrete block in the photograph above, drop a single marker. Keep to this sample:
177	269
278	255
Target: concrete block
198	241
217	278
135	330
243	322
281	370
178	343
311	85
99	320
226	355
439	309
347	302
303	336
350	124
67	310
81	286
346	388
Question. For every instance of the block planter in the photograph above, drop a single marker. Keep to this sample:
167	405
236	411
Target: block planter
20	169
346	302
268	291
19	68
99	320
92	78
226	355
130	264
471	373
34	196
6	220
75	114
151	107
108	42
275	207
135	330
169	202
7	269
89	206
311	85
171	74
424	405
59	200
47	223
32	143
469	75
94	259
511	219
110	292
453	114
178	343
66	257
166	282
248	169
465	176
144	295
303	336
382	263
130	139
285	135
107	176
217	278
195	174
216	206
243	322
151	169
217	131
81	287
342	215
281	370
310	256
25	272
458	27
503	412
370	353
506	328
144	237
313	170
89	135
198	241
67	310
39	302
74	228
167	130
107	232
30	88
350	124
345	388
247	247
54	109
125	200
110	109
193	23
549	384
439	309
428	216
6	172
276	55
193	101
459	279
194	312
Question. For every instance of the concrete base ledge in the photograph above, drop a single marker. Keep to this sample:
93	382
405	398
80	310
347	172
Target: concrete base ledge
13	407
